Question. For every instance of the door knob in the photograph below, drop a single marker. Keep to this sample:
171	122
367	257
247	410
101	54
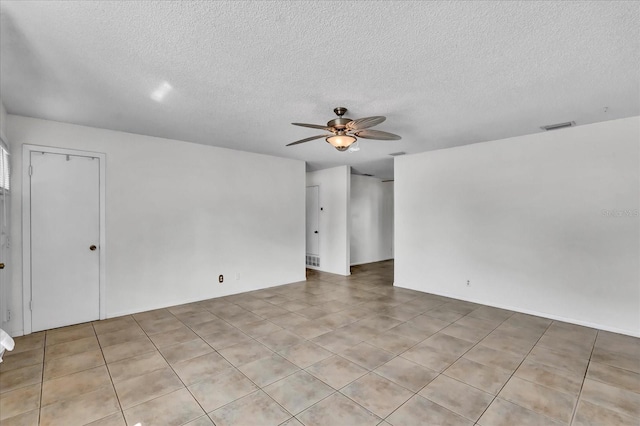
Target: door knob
92	248
1	265
315	232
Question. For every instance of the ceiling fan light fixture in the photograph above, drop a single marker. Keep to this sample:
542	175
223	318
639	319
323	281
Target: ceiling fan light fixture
341	141
345	132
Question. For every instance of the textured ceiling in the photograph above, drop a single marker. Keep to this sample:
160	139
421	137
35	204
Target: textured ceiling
444	73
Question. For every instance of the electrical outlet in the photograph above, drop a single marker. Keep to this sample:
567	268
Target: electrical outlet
468	283
220	278
8	315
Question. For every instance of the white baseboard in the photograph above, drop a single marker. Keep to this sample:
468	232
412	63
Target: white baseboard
186	301
152	307
316	268
532	312
371	261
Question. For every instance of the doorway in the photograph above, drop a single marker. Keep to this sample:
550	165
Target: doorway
5	188
313	226
63	237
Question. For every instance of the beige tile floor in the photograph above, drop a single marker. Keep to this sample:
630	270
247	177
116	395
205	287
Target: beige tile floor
330	351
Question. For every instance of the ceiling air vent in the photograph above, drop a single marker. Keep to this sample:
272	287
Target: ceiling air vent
558	126
396	154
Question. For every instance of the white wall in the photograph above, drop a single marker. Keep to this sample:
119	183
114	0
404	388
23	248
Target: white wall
3	121
371	220
334	218
528	221
178	215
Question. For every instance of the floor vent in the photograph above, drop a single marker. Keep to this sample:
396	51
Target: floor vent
313	260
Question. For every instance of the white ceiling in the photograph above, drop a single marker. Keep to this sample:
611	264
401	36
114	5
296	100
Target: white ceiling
443	73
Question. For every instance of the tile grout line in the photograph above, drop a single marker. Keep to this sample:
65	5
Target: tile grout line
106	366
399	355
440	373
586	372
44	355
547	387
90	323
259	388
283	378
514	372
124	359
147	336
200	337
417	343
215	351
373	307
169	364
304	369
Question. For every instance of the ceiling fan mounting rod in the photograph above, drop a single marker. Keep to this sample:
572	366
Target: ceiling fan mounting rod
340	111
339	123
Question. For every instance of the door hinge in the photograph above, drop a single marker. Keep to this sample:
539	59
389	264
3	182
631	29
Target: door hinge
31	305
30	170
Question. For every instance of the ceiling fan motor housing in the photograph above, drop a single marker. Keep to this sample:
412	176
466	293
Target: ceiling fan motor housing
339	123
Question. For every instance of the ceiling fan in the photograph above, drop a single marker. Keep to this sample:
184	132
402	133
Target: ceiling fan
345	131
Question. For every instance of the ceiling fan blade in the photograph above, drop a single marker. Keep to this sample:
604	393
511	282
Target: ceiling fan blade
365	123
377	134
308	139
313	126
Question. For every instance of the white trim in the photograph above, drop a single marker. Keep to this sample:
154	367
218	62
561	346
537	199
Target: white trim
319	215
15	333
26	226
196	300
348	220
6	285
160	306
531	312
372	261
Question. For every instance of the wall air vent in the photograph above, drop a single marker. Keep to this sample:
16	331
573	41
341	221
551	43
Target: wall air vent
312	260
558	126
396	154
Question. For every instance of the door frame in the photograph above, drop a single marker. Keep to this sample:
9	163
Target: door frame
5	285
26	226
317	215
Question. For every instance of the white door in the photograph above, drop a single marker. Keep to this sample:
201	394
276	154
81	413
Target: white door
65	235
5	314
313	216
